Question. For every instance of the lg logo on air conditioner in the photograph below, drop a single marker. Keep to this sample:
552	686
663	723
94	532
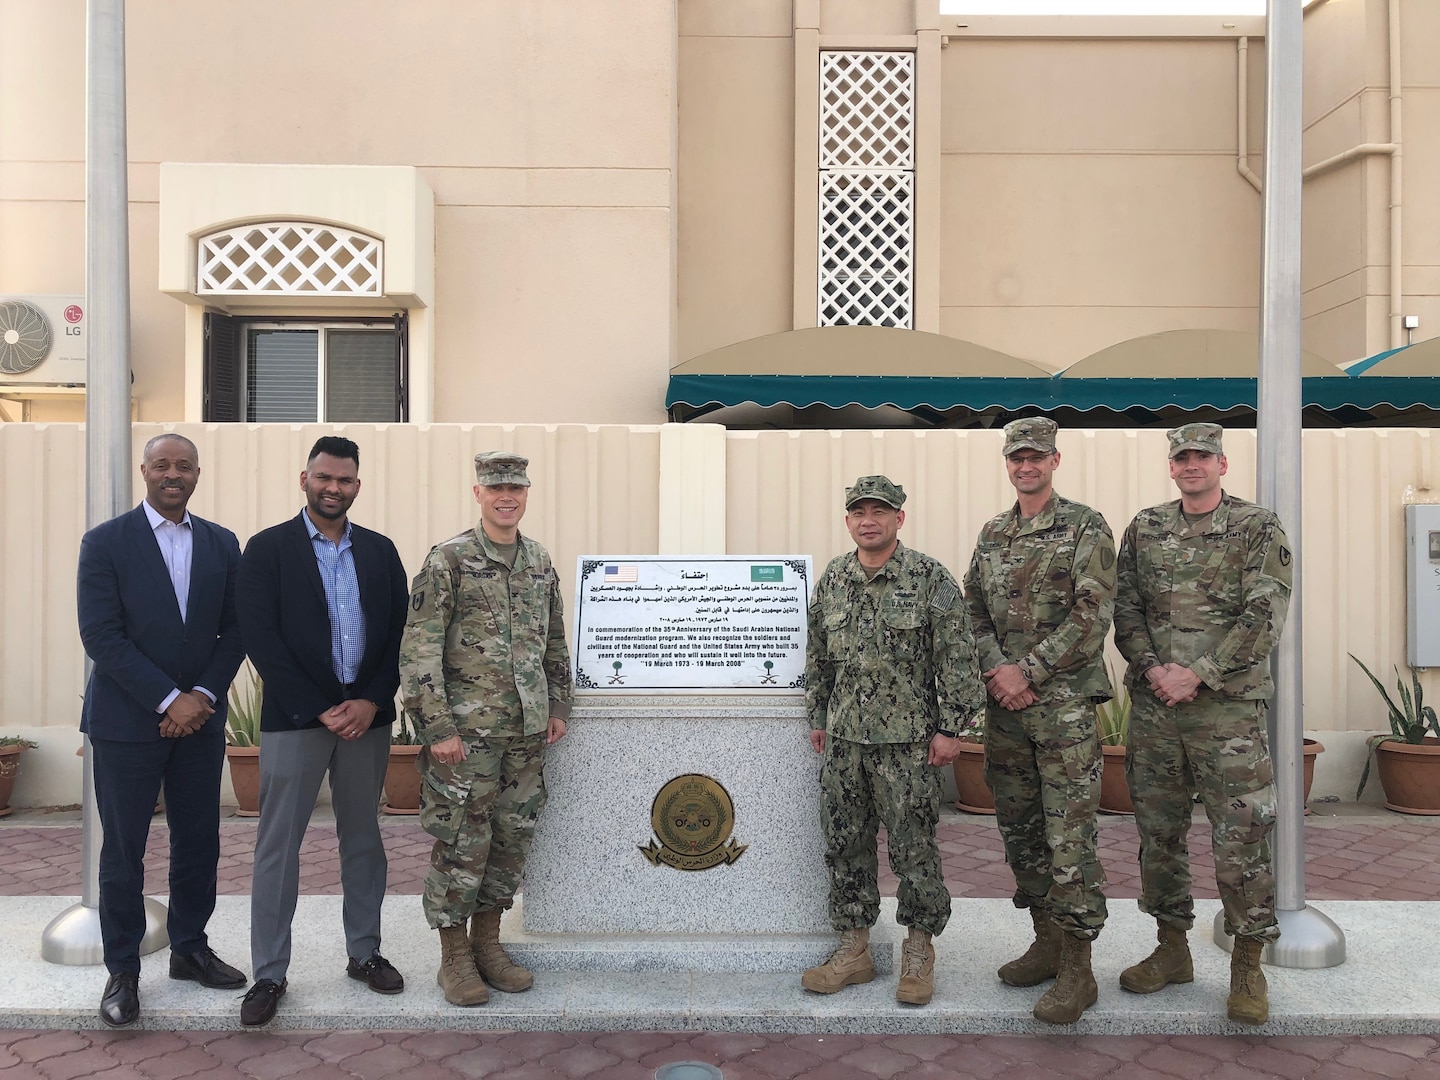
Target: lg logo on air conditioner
73	314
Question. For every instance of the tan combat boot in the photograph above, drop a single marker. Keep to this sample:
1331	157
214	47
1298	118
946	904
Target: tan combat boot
1248	1002
457	977
917	969
1074	990
1042	960
1169	963
493	962
848	965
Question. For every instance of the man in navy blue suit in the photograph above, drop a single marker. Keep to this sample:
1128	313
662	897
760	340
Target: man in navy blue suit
156	601
322	603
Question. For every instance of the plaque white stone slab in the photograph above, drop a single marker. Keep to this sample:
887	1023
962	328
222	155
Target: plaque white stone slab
691	623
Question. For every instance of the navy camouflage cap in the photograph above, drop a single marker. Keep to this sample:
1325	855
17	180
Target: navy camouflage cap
1031	433
875	487
1204	437
496	467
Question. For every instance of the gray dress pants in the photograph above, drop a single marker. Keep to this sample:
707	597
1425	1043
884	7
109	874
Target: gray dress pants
292	764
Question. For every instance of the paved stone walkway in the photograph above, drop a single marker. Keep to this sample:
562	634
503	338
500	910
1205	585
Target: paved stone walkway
444	1055
1353	853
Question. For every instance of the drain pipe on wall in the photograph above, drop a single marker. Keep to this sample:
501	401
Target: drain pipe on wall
1242	112
1392	149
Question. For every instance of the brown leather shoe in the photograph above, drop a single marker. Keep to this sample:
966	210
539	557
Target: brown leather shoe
260	1002
377	973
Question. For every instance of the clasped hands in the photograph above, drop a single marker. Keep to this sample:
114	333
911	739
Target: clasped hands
1173	684
350	719
452	751
1009	687
185	715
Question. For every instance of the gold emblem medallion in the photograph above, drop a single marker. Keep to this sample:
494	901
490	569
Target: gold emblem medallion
692	817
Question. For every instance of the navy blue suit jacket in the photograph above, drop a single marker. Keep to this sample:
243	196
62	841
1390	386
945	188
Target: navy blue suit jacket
131	626
281	602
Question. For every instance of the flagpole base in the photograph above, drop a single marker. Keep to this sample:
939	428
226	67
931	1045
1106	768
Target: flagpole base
73	936
1308	939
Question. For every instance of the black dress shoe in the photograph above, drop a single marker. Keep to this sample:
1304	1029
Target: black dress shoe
378	973
120	1005
260	1002
207	969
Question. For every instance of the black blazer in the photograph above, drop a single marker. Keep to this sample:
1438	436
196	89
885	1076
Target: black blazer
286	623
131	626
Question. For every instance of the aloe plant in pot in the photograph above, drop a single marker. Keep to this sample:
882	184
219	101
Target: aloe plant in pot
1408	758
402	776
1112	721
242	742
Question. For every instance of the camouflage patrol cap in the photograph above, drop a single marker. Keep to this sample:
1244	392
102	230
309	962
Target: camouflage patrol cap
496	467
875	487
1032	433
1204	437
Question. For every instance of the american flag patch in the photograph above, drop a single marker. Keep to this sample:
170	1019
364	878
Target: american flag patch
622	572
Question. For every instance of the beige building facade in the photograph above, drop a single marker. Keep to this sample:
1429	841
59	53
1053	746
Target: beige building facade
554	205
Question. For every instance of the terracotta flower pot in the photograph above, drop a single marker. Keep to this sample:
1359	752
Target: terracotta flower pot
245	779
402	781
1410	775
1308	753
9	768
1114	791
969	769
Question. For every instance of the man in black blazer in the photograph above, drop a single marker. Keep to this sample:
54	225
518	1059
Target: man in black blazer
156	602
322	603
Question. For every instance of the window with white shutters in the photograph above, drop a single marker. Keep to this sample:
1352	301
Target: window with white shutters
867	188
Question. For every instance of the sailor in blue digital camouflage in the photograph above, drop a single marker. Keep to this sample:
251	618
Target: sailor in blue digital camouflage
485	678
1204	586
1040	591
891	682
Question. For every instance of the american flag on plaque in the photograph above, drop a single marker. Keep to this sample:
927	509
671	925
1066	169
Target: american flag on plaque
621	572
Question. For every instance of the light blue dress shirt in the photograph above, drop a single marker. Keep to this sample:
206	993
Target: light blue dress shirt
342	598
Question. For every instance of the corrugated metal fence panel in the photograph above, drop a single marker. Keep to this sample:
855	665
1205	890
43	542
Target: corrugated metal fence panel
785	493
42	516
594	490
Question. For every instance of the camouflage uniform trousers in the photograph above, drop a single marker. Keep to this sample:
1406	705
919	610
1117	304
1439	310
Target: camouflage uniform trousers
482	814
1043	763
863	785
1216	745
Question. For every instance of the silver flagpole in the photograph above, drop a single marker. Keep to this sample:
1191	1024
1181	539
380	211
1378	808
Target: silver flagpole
1308	938
73	936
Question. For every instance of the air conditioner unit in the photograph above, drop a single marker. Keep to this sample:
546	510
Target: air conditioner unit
42	340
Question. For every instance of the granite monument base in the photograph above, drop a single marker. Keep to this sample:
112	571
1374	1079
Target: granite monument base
602	889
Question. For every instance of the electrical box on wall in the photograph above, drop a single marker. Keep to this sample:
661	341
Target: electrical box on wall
1422	548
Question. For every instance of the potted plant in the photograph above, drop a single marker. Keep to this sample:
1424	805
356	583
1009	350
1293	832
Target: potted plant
402	775
11	747
975	796
1112	720
1407	759
242	742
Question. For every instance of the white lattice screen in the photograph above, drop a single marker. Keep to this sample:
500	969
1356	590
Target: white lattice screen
289	257
867	183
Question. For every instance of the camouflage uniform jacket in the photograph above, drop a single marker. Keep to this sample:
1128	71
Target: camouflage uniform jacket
1210	596
484	646
1041	594
890	659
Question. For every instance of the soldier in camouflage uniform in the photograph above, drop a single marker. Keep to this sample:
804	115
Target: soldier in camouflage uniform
1040	591
891	683
486	681
1204	586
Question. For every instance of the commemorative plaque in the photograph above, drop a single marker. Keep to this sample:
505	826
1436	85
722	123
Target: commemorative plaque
700	623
